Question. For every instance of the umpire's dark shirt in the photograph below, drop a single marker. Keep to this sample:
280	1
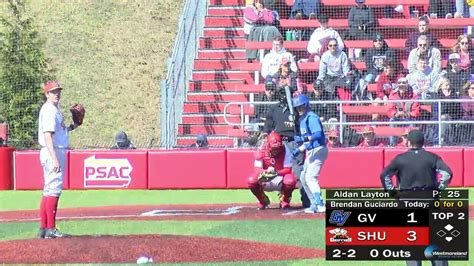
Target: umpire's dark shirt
416	169
280	120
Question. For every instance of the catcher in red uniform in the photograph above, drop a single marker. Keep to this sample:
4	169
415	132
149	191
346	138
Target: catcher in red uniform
272	172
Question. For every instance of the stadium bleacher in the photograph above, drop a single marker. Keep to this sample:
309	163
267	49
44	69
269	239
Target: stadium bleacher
222	73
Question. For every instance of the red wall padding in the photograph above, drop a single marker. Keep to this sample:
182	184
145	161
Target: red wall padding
469	167
452	156
187	169
239	167
108	169
29	173
352	168
178	169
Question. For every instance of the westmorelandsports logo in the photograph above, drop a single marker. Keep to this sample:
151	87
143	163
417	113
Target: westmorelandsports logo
107	173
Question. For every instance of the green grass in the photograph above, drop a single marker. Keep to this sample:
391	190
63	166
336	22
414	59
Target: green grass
110	55
304	232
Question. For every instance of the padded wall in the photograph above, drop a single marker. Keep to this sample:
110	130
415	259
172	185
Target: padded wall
239	167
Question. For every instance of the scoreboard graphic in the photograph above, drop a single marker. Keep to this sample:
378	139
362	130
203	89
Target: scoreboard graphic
415	225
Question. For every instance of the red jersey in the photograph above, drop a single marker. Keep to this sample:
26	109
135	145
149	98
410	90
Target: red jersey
281	162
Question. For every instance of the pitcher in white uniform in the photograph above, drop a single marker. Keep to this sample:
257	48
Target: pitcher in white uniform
54	140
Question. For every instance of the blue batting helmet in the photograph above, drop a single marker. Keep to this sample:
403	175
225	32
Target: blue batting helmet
300	100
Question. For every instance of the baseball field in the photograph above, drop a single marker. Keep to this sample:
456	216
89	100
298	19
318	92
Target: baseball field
178	227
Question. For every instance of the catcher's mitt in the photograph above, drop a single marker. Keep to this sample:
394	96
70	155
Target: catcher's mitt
77	112
267	175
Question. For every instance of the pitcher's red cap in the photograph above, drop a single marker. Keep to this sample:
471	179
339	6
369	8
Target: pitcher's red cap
51	85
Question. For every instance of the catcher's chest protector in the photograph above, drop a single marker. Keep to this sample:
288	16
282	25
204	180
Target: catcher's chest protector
269	160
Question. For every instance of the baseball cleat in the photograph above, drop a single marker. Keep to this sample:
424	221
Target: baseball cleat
321	208
315	209
55	233
311	209
264	205
284	205
42	232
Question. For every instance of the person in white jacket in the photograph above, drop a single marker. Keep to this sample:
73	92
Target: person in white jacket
319	40
272	61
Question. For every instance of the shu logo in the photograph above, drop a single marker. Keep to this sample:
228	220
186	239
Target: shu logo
107	173
339	236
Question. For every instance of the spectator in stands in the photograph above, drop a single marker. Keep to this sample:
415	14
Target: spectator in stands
449	111
258	25
423	80
457	77
122	142
305	9
285	76
402	111
318	43
403	142
253	138
388	79
334	72
333	139
272	61
361	22
468	107
268	95
375	59
368	138
467	130
324	111
466	52
201	142
424	49
441	8
423	29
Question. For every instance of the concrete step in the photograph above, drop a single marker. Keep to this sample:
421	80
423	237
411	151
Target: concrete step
215	129
227	2
206	119
221	75
223	32
215	64
186	141
215	108
222	43
230	11
227	85
216	97
222	53
236	21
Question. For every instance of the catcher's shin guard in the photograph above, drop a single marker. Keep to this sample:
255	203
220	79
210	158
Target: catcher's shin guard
257	189
289	184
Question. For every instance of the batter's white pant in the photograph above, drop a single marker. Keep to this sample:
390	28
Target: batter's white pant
313	164
53	181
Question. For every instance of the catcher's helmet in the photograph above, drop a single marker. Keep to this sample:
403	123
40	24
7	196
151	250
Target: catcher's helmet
274	141
300	100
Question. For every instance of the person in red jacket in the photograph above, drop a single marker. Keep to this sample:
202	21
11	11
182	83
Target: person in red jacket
368	135
402	111
272	159
403	143
388	79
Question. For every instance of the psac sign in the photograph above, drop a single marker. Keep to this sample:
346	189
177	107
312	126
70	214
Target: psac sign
107	173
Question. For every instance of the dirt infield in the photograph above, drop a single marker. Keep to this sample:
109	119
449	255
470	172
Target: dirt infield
162	248
167	212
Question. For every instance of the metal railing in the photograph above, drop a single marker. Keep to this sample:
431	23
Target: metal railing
342	118
174	88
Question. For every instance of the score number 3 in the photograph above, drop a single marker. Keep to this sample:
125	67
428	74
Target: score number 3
411	236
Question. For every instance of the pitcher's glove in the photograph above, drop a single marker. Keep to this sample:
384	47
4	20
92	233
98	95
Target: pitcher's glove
268	174
77	112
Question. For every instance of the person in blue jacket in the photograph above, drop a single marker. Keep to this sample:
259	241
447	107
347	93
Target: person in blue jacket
313	142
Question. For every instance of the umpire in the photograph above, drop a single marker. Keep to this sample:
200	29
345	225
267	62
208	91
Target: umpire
282	120
416	171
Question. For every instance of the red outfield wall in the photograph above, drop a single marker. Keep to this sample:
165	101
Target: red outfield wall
215	168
